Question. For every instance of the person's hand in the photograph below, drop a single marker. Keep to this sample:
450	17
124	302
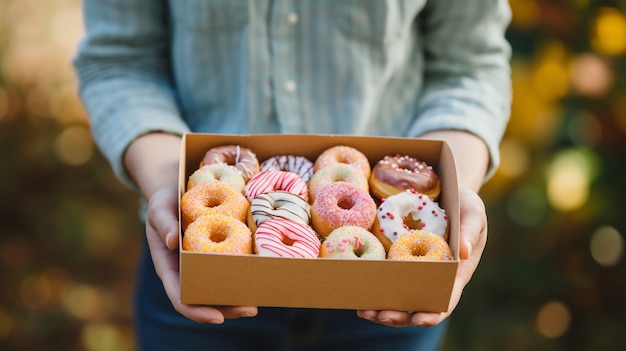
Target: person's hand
472	244
162	235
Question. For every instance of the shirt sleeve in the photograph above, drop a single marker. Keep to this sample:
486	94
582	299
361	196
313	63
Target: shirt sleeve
123	75
467	72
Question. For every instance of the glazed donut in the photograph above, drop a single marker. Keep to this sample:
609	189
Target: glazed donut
299	165
394	174
212	197
280	237
278	204
336	172
220	172
419	245
340	204
268	181
218	233
352	242
240	157
343	154
406	211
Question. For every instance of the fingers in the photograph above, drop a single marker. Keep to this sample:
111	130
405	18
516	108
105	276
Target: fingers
162	236
473	237
162	216
473	223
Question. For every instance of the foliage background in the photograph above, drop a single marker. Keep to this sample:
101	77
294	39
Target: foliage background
552	277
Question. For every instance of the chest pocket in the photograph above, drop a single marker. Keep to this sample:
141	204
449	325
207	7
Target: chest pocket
375	21
208	15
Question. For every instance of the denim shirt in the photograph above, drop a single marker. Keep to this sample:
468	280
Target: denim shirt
365	67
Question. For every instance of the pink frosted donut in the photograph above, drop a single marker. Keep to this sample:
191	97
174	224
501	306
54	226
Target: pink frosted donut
219	172
299	165
352	243
280	237
407	211
340	204
269	181
336	172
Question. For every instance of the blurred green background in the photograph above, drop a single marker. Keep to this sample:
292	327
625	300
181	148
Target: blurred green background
553	276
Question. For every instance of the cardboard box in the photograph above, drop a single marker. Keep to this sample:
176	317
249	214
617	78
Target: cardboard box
251	280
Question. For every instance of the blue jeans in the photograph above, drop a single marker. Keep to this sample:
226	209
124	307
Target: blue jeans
160	327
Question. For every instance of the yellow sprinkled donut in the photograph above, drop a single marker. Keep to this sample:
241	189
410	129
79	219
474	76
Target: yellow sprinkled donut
343	154
419	245
210	198
218	233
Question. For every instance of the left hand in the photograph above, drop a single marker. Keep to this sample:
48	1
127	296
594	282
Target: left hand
473	238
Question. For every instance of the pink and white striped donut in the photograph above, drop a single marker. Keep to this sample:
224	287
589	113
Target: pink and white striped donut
281	237
299	165
269	181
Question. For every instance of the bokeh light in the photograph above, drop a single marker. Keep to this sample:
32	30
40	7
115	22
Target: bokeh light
591	75
74	146
553	319
86	302
515	158
607	246
609	31
102	336
568	179
550	78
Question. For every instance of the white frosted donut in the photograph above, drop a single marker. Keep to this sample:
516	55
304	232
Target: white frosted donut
219	172
299	165
285	238
278	204
408	210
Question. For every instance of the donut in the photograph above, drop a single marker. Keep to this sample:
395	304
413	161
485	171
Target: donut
240	157
212	197
218	233
299	165
343	154
268	181
352	242
419	245
406	211
340	204
336	172
278	204
279	237
394	174
220	172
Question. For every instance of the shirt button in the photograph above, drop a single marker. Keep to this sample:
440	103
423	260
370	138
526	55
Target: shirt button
292	18
290	86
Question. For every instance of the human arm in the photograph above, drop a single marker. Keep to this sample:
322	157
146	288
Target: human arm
471	160
465	102
124	81
152	162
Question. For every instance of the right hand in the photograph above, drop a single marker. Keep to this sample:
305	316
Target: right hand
162	230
